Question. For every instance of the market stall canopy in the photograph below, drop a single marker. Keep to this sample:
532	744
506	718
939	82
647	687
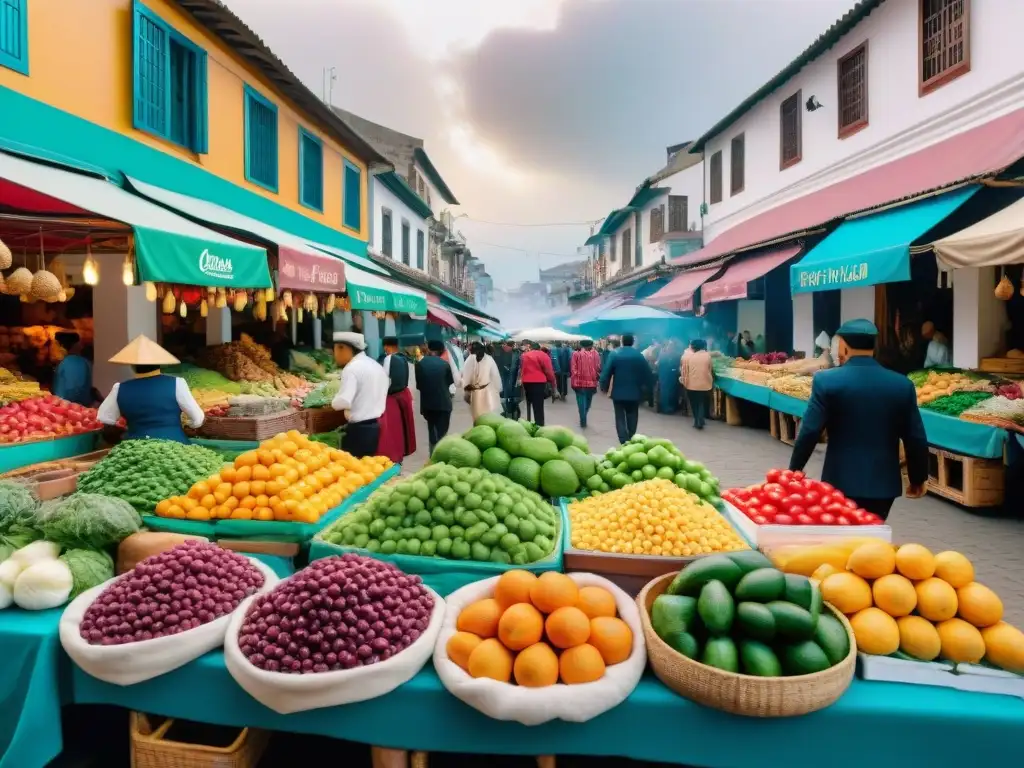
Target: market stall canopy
873	249
639	319
375	294
678	294
985	149
168	248
438	315
994	241
735	280
545	334
593	308
301	267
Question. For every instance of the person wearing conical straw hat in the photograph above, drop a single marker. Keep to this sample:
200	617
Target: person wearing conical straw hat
151	403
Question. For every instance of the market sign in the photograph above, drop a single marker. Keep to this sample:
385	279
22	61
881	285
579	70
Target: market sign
375	295
849	275
166	257
304	271
718	290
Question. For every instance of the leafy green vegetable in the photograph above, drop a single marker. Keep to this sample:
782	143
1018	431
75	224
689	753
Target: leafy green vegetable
203	378
145	472
322	396
333	439
18	505
88	521
956	403
89	569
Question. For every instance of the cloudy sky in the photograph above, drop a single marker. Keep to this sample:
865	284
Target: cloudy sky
540	112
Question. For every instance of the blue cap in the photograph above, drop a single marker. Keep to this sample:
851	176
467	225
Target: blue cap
858	327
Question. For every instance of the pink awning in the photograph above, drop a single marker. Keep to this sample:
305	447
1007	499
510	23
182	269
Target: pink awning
733	284
438	315
988	148
678	295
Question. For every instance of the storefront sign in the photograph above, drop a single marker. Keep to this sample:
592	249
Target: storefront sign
827	278
215	266
721	291
164	257
302	271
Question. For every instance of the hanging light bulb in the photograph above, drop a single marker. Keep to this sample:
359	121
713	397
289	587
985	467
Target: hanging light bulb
183	309
90	269
128	271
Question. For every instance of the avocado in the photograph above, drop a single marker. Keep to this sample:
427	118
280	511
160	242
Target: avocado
762	585
756	621
716	608
792	622
720	652
693	577
759	660
831	636
804	658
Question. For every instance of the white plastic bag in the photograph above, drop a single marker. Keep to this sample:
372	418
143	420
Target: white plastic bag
133	663
533	706
289	693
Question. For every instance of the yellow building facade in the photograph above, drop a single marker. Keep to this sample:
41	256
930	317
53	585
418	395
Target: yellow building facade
179	93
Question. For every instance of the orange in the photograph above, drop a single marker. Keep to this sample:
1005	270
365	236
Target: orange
278	470
175	511
490	659
513	587
264	513
247	459
248	502
228	474
595	601
208	501
262	500
582	664
256	487
220	512
199	490
520	625
536	666
231	502
459	646
243	474
567	627
213	480
242	513
552	591
163	506
240	490
481	618
612	637
266	457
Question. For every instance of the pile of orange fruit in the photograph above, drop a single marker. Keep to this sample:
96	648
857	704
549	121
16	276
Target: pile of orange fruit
289	478
538	631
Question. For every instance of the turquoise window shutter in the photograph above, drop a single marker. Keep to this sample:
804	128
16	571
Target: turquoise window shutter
14	35
352	196
260	140
311	170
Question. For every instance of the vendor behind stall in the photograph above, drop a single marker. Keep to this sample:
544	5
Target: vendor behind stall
362	395
937	354
73	377
151	403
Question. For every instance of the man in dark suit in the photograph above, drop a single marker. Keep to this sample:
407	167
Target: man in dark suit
434	381
867	411
630	379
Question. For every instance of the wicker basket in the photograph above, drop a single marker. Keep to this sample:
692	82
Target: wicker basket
743	694
149	748
251	428
322	420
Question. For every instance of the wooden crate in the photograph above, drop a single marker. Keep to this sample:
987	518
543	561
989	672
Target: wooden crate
252	427
785	427
1002	365
717	404
322	420
966	480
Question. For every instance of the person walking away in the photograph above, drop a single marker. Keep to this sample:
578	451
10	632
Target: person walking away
362	395
481	382
628	380
698	379
434	381
564	353
867	411
73	378
507	359
398	426
937	354
537	374
687	405
151	403
585	372
668	379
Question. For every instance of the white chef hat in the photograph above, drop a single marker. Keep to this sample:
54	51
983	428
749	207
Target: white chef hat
355	340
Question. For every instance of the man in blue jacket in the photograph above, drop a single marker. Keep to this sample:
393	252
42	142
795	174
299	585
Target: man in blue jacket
630	381
867	411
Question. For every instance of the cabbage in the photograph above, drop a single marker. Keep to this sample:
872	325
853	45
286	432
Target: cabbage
89	569
18	506
88	521
44	585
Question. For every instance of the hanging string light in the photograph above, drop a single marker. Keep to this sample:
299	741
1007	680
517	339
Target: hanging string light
128	269
90	269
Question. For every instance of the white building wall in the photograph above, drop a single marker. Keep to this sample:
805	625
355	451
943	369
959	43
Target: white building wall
385	198
900	120
435	201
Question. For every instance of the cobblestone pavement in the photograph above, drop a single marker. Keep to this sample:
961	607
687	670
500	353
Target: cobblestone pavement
740	456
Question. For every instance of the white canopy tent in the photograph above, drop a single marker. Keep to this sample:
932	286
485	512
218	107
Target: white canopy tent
995	241
546	334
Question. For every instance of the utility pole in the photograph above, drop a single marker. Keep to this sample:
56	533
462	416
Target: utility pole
330	76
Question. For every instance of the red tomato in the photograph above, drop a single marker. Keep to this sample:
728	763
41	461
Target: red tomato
827	518
793	500
760	519
826	487
804	519
812	496
815	510
774	498
851	504
769	511
842	520
799	475
783	519
772	476
773	488
871	519
835	509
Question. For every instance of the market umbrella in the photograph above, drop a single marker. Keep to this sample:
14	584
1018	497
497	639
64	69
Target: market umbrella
546	334
640	319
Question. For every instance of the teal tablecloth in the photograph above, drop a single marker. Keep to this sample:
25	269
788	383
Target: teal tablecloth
30	688
965	437
17	455
794	406
883	724
753	393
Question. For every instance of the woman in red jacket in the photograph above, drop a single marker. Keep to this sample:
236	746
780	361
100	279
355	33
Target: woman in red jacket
537	373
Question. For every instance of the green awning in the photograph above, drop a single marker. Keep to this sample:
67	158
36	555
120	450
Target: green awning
595	239
370	292
168	248
400	188
646	195
873	249
614	220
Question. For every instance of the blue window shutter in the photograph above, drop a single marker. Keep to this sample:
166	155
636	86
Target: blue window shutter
152	74
260	140
14	35
352	196
200	107
311	170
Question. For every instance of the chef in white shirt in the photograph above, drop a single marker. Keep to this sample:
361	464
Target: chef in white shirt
362	395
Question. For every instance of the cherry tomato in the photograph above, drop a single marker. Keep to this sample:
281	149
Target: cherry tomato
826	487
793	500
842	520
769	511
812	496
851	504
773	488
774	498
835	509
804	519
827	518
799	475
783	519
815	511
772	476
870	518
760	519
